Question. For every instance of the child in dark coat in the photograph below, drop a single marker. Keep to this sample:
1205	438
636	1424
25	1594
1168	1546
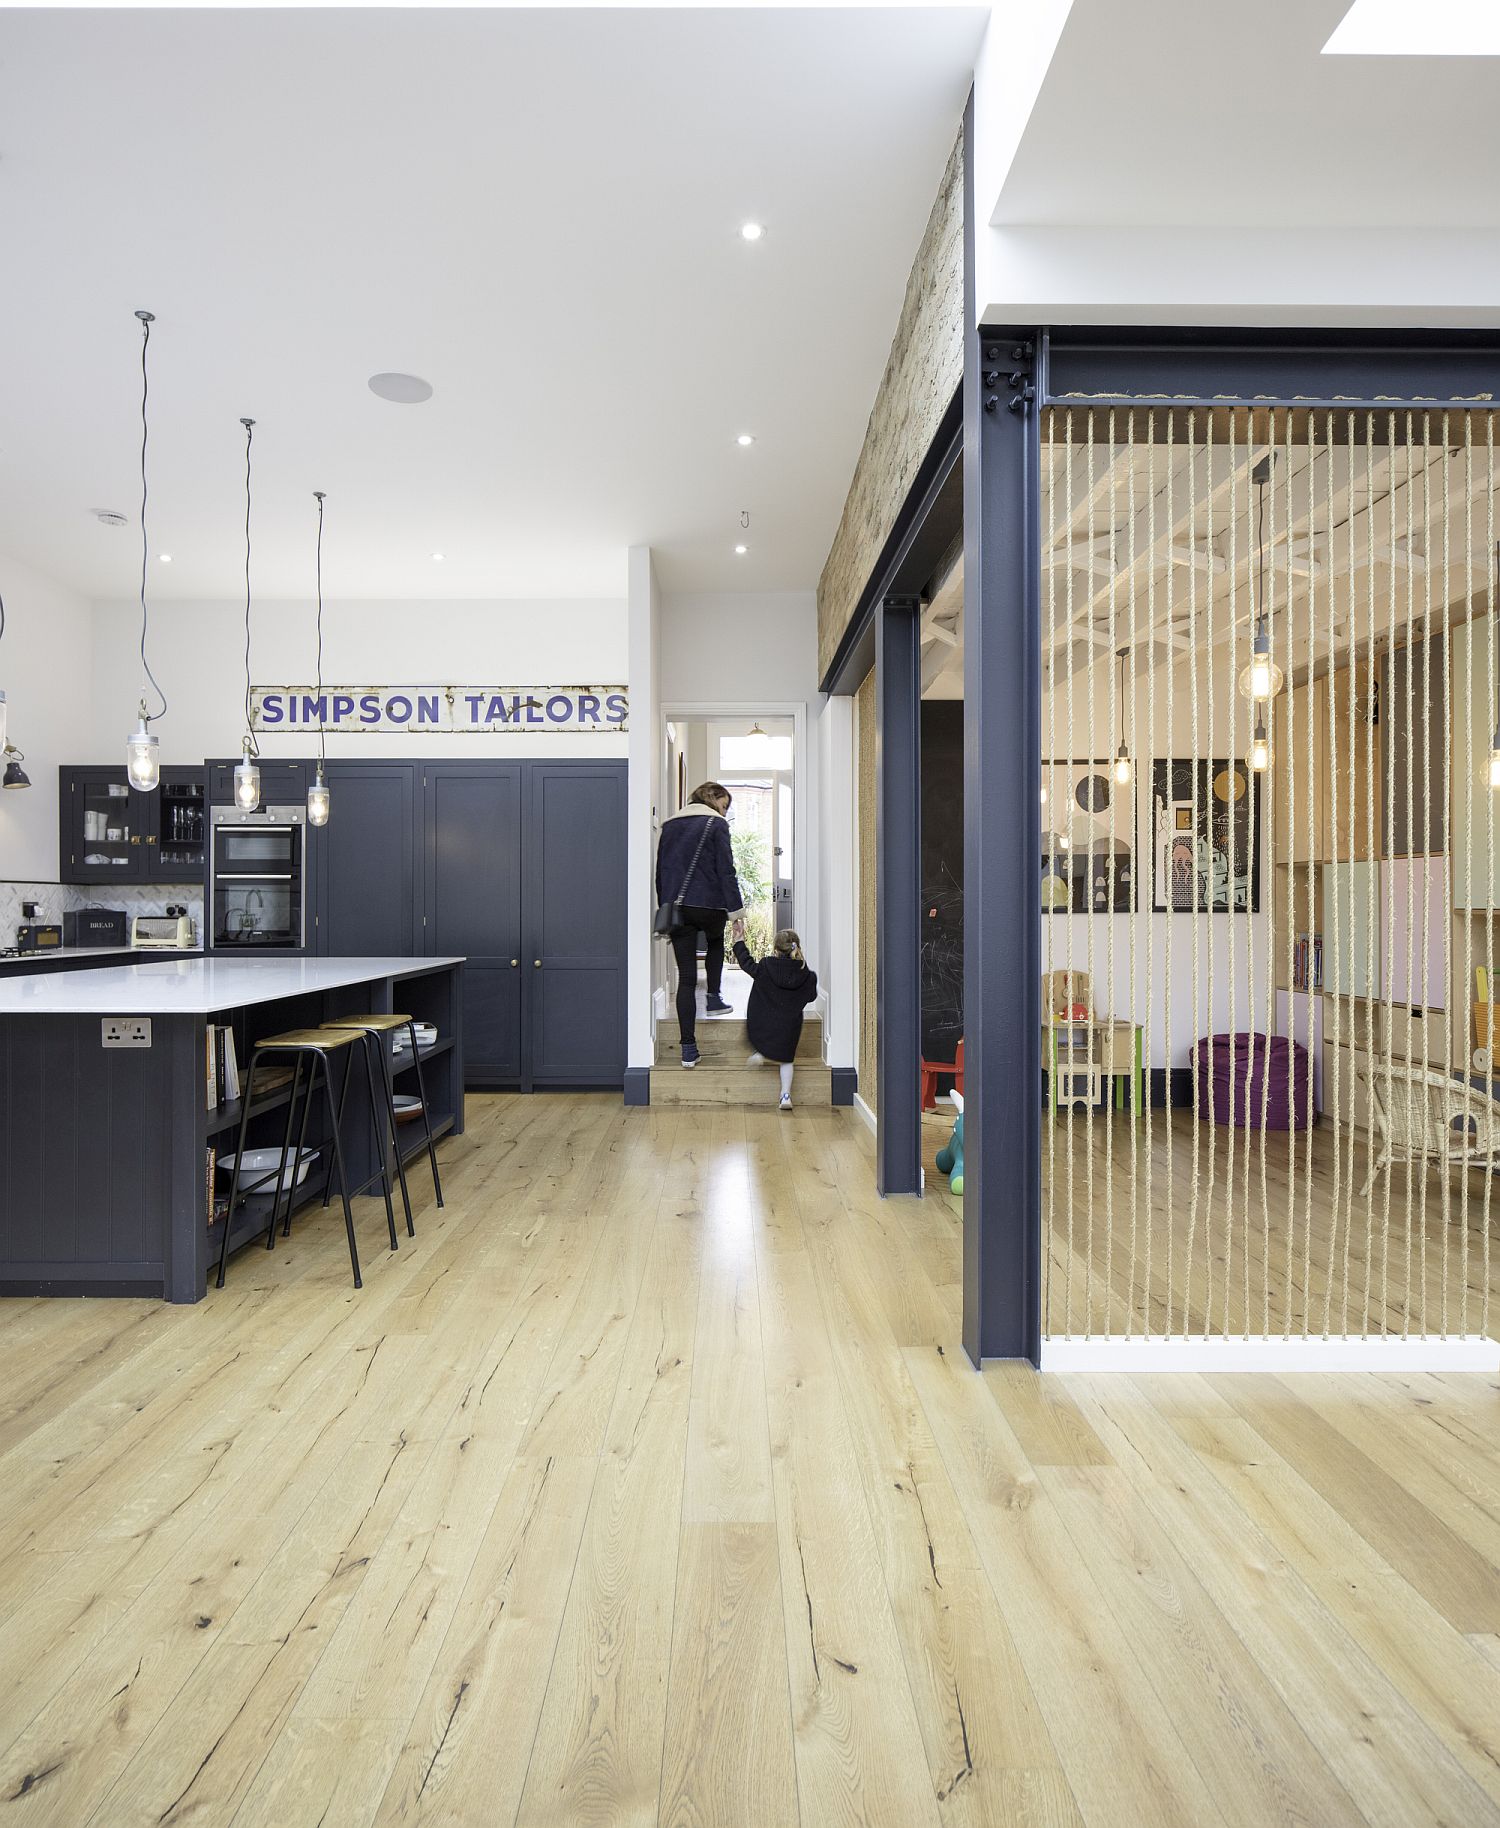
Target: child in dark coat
782	988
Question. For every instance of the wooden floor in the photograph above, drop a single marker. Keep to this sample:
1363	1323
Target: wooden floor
1279	1237
649	1484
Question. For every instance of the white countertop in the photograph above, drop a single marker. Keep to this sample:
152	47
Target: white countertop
195	986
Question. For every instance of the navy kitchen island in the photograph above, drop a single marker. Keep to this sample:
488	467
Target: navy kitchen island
106	1186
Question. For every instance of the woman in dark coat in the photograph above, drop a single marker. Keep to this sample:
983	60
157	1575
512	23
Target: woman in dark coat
695	878
782	988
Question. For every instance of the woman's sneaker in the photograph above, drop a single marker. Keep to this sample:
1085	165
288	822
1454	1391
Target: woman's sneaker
718	1007
690	1054
786	1101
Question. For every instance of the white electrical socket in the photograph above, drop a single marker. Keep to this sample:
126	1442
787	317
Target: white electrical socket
126	1031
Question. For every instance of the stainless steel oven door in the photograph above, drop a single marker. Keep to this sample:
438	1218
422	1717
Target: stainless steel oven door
257	871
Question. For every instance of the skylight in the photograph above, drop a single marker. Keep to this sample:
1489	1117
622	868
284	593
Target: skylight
1417	28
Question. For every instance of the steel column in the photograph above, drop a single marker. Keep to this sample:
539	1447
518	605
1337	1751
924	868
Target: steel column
898	894
1002	785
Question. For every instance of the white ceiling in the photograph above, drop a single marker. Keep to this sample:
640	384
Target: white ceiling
1202	113
537	211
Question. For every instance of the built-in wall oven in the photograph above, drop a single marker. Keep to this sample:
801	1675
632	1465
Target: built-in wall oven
257	872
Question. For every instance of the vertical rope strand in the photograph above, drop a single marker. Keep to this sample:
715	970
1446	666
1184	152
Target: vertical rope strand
1465	755
1055	950
1373	984
1193	787
1195	460
1090	750
1327	851
1049	683
1153	1206
1107	1084
1491	636
1425	889
1446	789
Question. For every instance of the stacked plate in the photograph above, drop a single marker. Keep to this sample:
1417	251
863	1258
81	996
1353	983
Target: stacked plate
427	1034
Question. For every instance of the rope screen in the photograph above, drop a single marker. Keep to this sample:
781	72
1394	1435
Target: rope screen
1269	870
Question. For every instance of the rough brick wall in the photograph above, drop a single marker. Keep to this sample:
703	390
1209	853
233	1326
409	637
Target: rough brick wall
921	375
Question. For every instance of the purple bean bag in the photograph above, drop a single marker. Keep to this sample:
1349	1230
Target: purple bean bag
1248	1070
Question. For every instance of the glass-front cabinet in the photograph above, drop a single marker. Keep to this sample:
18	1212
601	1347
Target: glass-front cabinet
111	832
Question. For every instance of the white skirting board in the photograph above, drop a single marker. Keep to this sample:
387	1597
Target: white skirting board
865	1113
1367	1352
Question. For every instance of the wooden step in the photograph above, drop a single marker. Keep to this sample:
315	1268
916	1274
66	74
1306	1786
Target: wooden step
708	1085
723	1039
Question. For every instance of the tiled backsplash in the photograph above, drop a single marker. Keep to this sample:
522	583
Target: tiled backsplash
53	899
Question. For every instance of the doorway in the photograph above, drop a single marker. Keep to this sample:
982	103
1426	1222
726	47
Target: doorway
756	753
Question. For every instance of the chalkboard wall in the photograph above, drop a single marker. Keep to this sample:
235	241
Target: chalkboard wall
942	877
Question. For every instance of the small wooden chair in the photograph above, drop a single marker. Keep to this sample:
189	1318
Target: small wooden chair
932	1070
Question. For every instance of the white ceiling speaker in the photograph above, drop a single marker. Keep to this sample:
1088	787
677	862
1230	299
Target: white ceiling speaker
404	389
109	517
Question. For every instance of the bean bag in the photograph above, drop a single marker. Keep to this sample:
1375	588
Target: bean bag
1239	1074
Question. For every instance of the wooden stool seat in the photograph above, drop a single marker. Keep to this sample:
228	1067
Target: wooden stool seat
324	1040
374	1025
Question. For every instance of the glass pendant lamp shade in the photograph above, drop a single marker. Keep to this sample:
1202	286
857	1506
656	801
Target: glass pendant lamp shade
246	781
143	757
317	800
1262	679
2	723
1260	749
1122	767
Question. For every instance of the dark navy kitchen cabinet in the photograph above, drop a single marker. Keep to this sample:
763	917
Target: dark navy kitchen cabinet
366	897
472	902
575	864
109	831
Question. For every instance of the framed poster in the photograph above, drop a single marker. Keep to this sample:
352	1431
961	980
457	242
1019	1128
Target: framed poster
1205	822
1089	840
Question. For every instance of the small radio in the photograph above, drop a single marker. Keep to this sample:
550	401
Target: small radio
162	932
38	938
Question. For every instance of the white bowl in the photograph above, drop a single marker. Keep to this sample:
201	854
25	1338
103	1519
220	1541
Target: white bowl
261	1161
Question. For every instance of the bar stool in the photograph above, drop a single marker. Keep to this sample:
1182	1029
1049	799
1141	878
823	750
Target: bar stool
372	1031
376	1027
309	1048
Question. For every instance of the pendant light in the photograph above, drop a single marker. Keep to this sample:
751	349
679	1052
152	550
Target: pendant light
14	775
1122	756
1260	746
317	794
1262	679
142	750
246	773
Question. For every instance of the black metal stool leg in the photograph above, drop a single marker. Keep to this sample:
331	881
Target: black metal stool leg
239	1156
338	1111
381	1142
416	1057
286	1144
388	1085
338	1156
307	1104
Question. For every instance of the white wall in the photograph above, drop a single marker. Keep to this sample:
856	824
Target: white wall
197	652
45	673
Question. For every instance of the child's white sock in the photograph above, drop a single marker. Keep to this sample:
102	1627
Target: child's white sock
756	1060
786	1080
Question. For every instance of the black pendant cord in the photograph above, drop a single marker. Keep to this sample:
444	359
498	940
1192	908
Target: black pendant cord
148	676
322	722
249	425
1262	626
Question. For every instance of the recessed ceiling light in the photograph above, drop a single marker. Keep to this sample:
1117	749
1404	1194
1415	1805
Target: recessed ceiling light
745	438
404	389
752	231
437	558
740	551
164	558
109	517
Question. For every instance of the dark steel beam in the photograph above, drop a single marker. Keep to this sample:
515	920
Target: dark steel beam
898	895
1003	376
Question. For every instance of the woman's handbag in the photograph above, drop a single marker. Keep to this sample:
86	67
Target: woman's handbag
669	913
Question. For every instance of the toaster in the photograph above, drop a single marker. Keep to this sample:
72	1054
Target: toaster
162	932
